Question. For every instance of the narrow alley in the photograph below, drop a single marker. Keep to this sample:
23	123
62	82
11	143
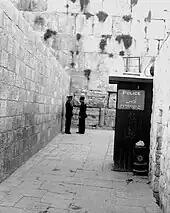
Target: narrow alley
73	174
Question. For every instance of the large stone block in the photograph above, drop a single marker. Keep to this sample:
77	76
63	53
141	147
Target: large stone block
4	91
110	112
109	121
1	18
91	43
56	6
7	24
93	112
3	107
3	121
96	101
4	58
66	24
31	5
92	122
84	26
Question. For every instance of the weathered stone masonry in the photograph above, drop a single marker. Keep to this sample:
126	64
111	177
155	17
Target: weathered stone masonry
83	42
33	86
160	130
101	109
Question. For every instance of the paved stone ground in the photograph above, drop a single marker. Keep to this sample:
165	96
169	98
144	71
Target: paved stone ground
73	175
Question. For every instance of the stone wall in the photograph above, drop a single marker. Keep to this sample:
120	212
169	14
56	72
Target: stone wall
160	130
30	5
33	86
79	53
78	42
101	109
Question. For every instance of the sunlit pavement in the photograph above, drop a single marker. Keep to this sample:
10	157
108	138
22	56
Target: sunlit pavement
73	174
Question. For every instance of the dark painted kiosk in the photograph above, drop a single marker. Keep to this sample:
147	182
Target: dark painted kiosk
132	125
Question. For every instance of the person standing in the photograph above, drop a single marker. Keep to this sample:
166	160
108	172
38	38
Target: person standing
69	114
82	116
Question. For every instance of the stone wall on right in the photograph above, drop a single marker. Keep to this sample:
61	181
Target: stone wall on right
160	129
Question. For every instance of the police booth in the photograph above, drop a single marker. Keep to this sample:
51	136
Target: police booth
132	125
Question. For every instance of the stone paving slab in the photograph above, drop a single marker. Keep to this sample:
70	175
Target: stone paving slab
73	174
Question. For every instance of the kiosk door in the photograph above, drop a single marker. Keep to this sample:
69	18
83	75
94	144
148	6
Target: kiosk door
133	114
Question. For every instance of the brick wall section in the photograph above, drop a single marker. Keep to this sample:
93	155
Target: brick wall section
160	131
33	86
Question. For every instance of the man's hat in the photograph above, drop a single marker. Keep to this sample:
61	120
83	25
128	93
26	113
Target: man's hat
82	98
69	96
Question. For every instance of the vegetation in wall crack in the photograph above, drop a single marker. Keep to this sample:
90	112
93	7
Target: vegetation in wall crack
87	73
134	2
103	44
121	53
49	33
152	70
107	36
83	4
72	54
72	64
102	16
88	15
127	40
77	52
148	18
39	21
127	18
110	55
78	36
147	50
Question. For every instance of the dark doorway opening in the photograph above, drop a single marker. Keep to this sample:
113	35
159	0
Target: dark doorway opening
132	125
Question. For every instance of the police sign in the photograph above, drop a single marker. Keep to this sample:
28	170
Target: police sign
131	99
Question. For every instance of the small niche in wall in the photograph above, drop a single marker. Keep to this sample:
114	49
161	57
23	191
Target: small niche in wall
111	102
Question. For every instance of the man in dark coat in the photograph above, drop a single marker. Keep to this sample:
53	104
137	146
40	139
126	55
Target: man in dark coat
69	114
82	116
